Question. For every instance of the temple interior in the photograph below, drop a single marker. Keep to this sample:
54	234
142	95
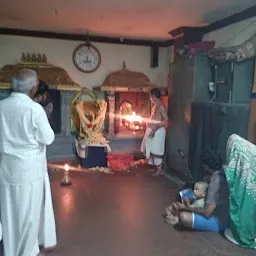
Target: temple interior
202	60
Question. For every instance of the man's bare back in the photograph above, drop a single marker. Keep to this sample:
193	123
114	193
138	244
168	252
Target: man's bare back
158	119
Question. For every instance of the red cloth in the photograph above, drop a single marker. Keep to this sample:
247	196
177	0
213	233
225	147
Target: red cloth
119	162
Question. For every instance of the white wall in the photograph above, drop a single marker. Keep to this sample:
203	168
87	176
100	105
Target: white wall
59	53
234	34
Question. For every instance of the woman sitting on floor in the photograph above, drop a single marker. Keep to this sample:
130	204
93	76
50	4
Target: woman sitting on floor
214	216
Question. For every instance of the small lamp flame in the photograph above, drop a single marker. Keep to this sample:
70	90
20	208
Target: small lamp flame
66	167
66	179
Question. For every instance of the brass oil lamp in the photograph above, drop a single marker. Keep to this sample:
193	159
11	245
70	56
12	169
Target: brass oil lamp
66	181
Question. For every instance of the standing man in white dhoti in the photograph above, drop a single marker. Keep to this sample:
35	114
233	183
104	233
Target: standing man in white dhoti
47	230
153	144
24	134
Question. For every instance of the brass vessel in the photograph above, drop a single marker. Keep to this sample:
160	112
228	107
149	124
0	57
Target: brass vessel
66	181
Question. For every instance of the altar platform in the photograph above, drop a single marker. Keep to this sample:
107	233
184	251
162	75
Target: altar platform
63	148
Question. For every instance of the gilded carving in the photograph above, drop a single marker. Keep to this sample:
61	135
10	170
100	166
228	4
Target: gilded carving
87	118
33	57
52	75
126	80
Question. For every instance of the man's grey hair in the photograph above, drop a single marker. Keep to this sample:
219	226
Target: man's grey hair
24	81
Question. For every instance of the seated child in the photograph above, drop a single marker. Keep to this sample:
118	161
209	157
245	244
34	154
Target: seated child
198	195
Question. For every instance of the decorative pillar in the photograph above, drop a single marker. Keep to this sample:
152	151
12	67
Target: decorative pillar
66	100
111	112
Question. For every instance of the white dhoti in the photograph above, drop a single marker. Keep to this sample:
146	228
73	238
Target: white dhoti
24	196
47	230
154	147
1	232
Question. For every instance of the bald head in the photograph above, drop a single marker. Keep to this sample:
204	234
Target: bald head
25	81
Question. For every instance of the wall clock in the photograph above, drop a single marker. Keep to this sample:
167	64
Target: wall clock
86	58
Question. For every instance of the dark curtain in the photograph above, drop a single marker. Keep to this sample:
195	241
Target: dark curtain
211	125
205	129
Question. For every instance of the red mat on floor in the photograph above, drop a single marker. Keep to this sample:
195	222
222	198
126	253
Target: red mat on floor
119	162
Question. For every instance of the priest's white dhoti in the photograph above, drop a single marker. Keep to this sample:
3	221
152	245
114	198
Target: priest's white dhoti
154	147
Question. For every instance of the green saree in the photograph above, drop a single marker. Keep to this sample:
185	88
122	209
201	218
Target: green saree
241	178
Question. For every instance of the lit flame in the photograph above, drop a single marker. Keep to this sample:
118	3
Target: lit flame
66	167
133	118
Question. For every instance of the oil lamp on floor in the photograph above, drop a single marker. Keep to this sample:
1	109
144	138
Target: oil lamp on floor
66	179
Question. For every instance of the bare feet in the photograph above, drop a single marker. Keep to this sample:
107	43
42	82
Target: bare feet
172	220
168	210
158	173
165	215
152	168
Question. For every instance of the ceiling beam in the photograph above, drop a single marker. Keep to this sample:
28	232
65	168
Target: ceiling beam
199	31
235	18
193	34
190	34
81	37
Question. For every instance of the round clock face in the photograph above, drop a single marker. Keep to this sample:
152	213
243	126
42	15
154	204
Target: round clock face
86	58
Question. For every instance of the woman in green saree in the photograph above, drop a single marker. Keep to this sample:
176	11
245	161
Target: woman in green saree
241	178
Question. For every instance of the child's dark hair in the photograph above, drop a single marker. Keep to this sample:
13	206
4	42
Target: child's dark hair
212	159
155	92
42	88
